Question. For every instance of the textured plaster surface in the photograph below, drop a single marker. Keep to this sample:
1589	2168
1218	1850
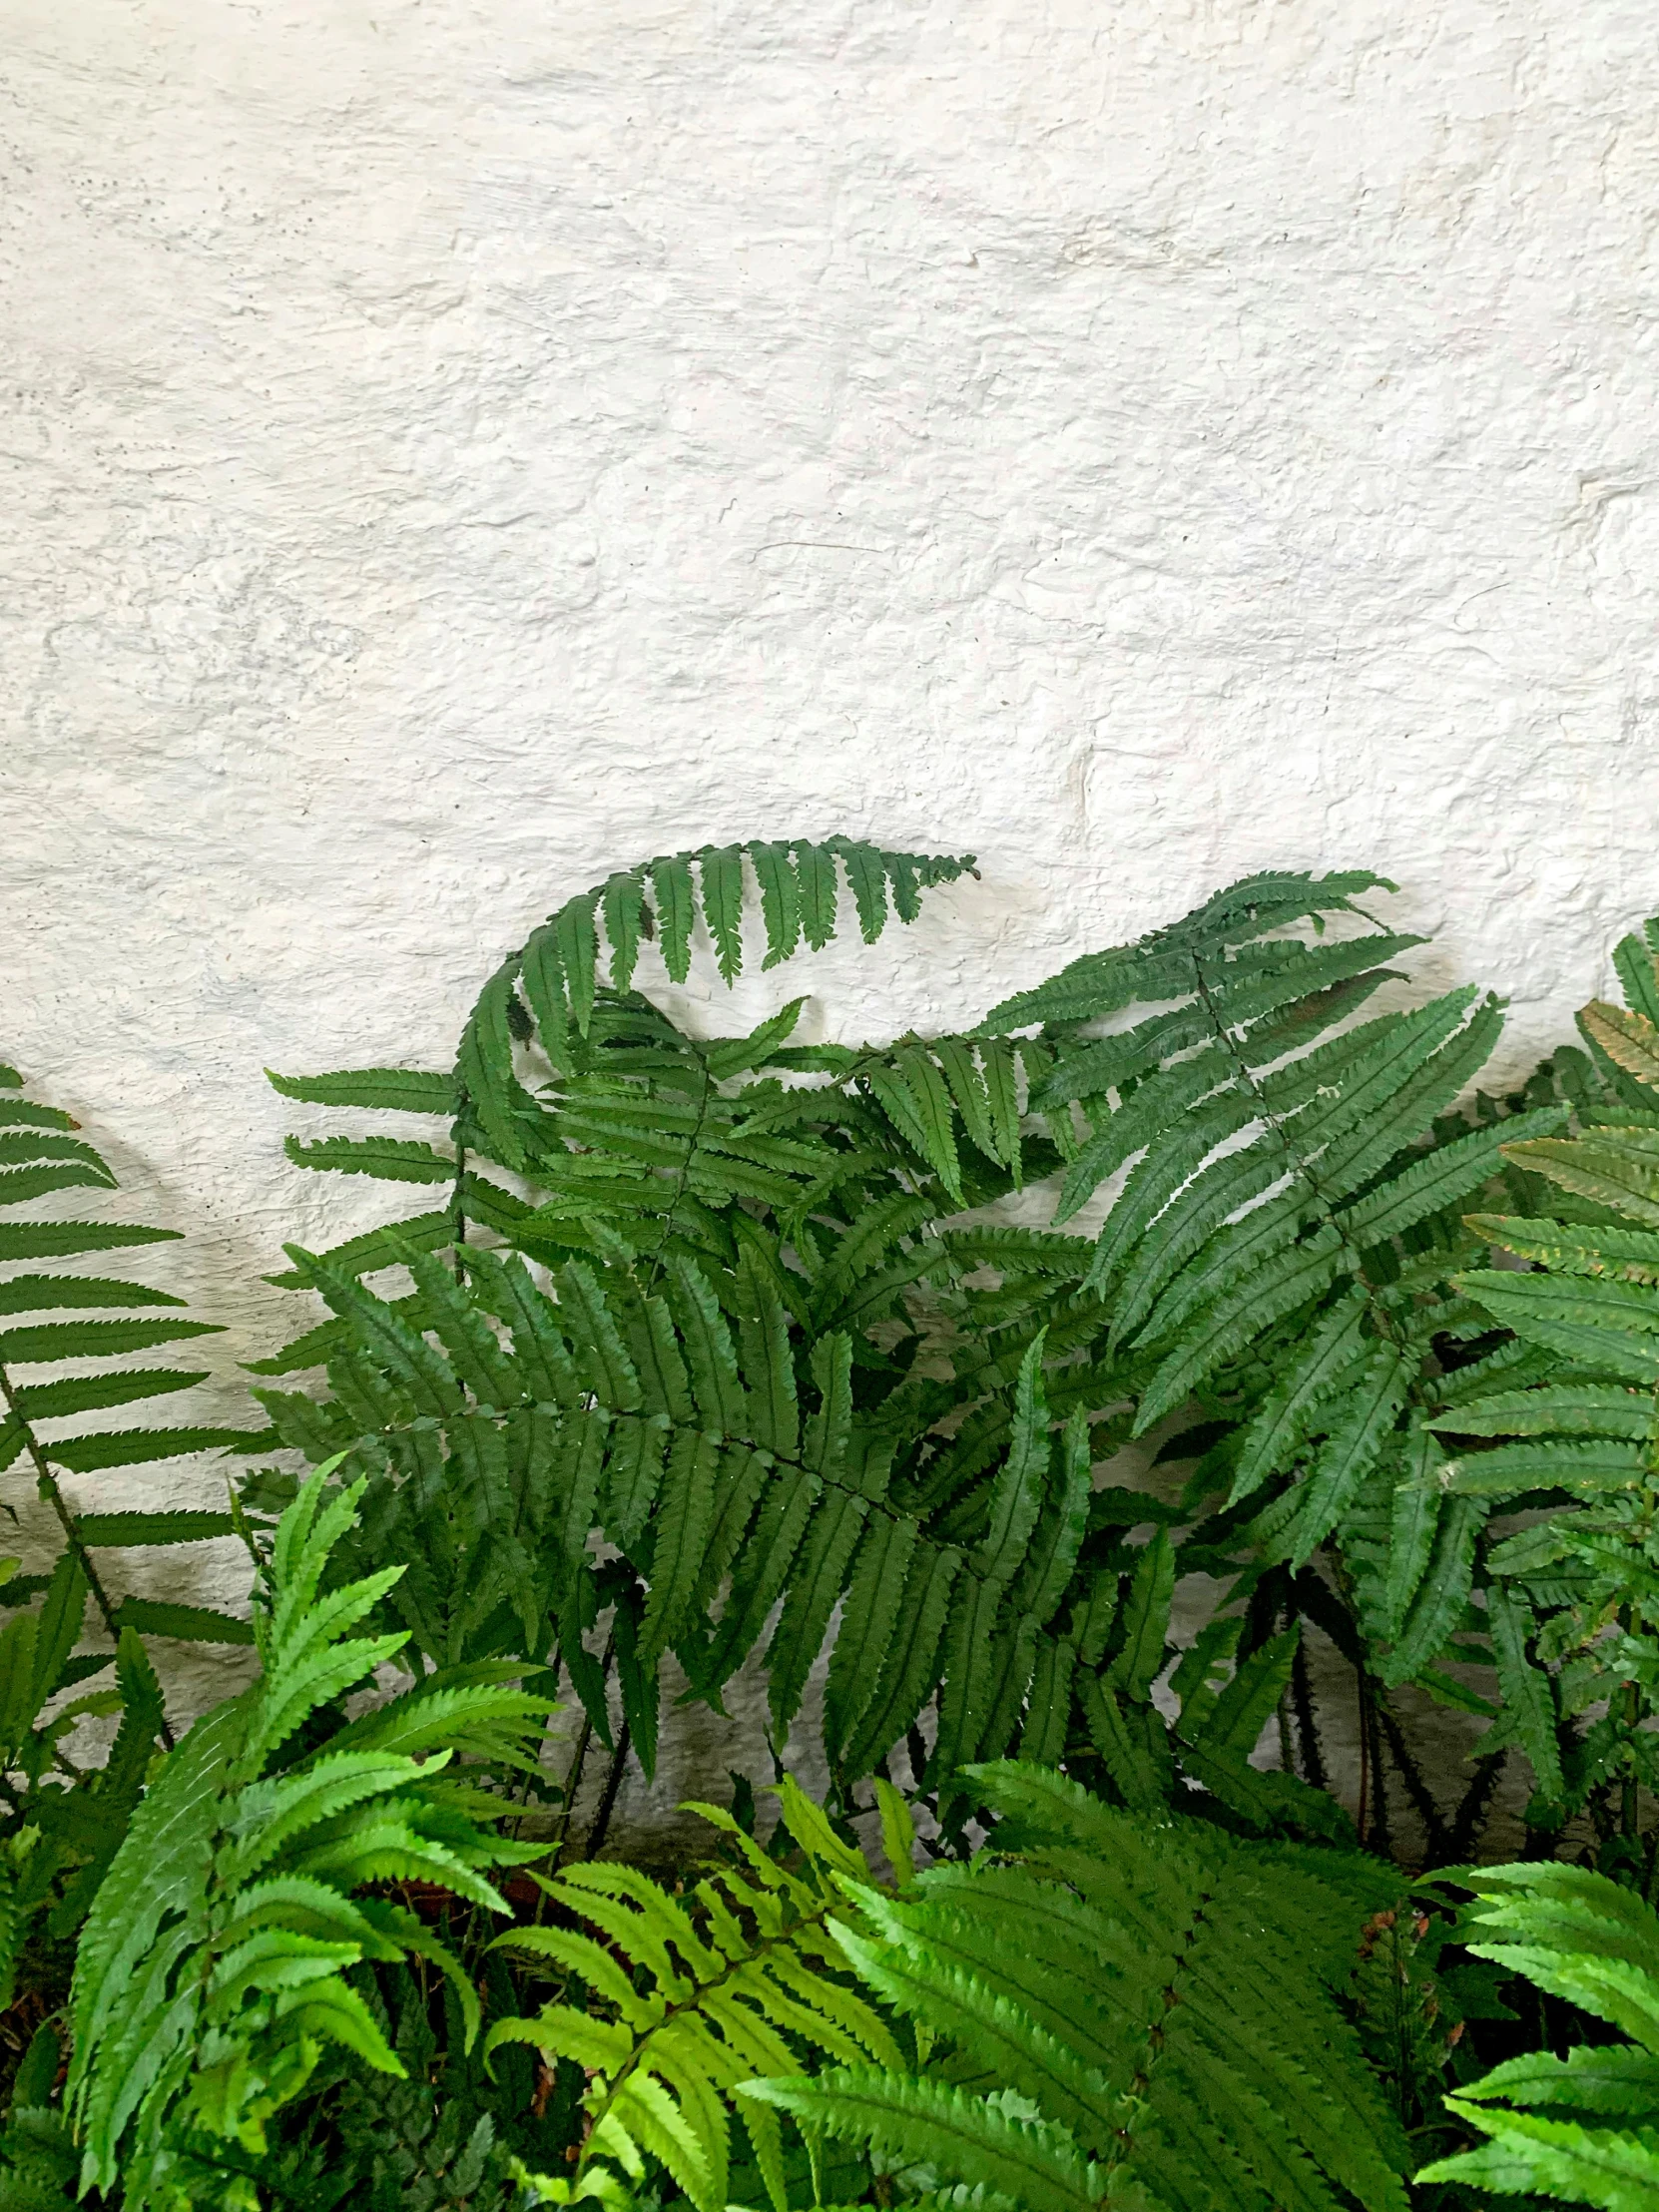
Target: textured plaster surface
456	446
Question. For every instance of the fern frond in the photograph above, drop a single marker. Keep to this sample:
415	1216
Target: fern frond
43	1430
395	1090
678	1424
685	1998
1582	1938
1286	1212
1629	1039
632	1098
1132	1982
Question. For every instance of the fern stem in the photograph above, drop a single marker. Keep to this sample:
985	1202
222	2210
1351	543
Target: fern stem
458	1209
1365	1760
1470	1817
607	1804
1629	1806
1372	1823
1416	1788
571	1784
1171	1998
1306	1730
578	1763
46	1483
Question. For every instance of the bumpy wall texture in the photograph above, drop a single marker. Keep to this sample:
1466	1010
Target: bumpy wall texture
455	446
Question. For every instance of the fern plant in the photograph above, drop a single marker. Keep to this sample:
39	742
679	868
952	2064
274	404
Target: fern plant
711	1335
1130	2011
766	1364
671	2001
214	1967
1583	2127
703	1387
431	2139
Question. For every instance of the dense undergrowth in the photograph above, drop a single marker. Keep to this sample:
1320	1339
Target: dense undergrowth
753	1354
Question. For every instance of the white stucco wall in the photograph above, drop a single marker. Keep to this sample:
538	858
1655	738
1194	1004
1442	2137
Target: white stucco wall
455	446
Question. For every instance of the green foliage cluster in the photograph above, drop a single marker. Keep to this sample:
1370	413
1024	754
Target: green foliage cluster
1135	2010
687	1998
1583	2127
741	1353
752	1333
213	1965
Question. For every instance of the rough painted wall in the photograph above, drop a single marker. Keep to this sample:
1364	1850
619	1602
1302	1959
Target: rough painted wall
455	446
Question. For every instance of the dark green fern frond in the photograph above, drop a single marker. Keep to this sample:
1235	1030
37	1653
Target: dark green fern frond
1566	1421
67	1340
635	1144
57	1319
548	991
1124	2002
1288	1186
800	890
724	1455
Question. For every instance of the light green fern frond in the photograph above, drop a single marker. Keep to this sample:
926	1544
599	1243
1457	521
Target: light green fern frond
215	1963
685	1996
1583	2128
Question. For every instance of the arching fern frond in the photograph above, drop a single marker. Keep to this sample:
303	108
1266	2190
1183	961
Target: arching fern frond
68	1341
1288	1220
672	2001
800	890
1124	2004
549	992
